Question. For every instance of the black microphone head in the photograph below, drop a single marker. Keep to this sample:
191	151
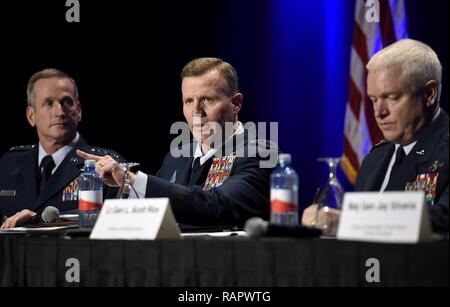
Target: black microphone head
256	227
50	214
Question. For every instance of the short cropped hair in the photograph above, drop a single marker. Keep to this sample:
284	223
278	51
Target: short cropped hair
46	74
418	62
200	66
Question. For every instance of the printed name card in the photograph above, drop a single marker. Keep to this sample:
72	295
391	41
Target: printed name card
393	217
136	219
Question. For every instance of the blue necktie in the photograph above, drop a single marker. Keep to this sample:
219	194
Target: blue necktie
46	168
399	157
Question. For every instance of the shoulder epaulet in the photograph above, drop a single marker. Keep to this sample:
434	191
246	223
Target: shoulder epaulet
103	152
22	148
379	144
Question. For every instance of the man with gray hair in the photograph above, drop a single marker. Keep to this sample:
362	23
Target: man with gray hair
35	176
404	85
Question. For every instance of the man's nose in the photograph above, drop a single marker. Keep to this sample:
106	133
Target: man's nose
380	109
58	109
198	106
199	109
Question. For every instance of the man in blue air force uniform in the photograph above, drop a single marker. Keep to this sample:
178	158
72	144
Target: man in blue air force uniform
404	84
425	167
33	177
213	185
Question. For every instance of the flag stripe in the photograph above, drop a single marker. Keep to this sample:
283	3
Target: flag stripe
357	73
387	26
351	155
354	98
359	43
356	132
374	131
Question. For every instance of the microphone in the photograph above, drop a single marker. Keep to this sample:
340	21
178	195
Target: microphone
256	227
49	215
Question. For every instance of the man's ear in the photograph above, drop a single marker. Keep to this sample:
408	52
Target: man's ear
30	116
237	102
431	93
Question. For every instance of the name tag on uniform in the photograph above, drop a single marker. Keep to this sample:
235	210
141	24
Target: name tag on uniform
8	193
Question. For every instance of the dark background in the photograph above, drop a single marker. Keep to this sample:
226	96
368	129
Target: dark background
292	57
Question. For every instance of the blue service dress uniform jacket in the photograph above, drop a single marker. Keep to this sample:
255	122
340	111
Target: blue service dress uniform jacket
243	194
19	173
428	157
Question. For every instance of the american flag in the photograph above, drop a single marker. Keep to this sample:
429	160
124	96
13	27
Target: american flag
369	36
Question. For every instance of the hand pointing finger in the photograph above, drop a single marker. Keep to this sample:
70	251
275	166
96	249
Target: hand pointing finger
87	156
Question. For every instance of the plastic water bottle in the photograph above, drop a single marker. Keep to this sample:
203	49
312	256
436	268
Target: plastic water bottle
284	193
90	195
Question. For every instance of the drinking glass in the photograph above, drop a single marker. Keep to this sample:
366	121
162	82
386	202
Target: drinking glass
329	199
127	187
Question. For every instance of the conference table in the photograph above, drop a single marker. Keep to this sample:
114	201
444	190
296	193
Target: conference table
207	261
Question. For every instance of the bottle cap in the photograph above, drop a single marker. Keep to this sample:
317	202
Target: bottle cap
89	163
285	157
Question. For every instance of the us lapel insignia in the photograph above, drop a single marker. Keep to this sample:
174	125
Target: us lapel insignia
75	160
71	191
435	166
420	152
219	171
425	183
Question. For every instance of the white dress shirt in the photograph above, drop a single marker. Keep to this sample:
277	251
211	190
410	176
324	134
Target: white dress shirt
140	183
59	155
407	150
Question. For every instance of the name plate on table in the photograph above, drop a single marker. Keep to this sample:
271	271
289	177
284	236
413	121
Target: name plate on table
393	217
136	219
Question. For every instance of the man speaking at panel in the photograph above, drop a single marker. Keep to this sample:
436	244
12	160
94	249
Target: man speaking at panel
217	184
